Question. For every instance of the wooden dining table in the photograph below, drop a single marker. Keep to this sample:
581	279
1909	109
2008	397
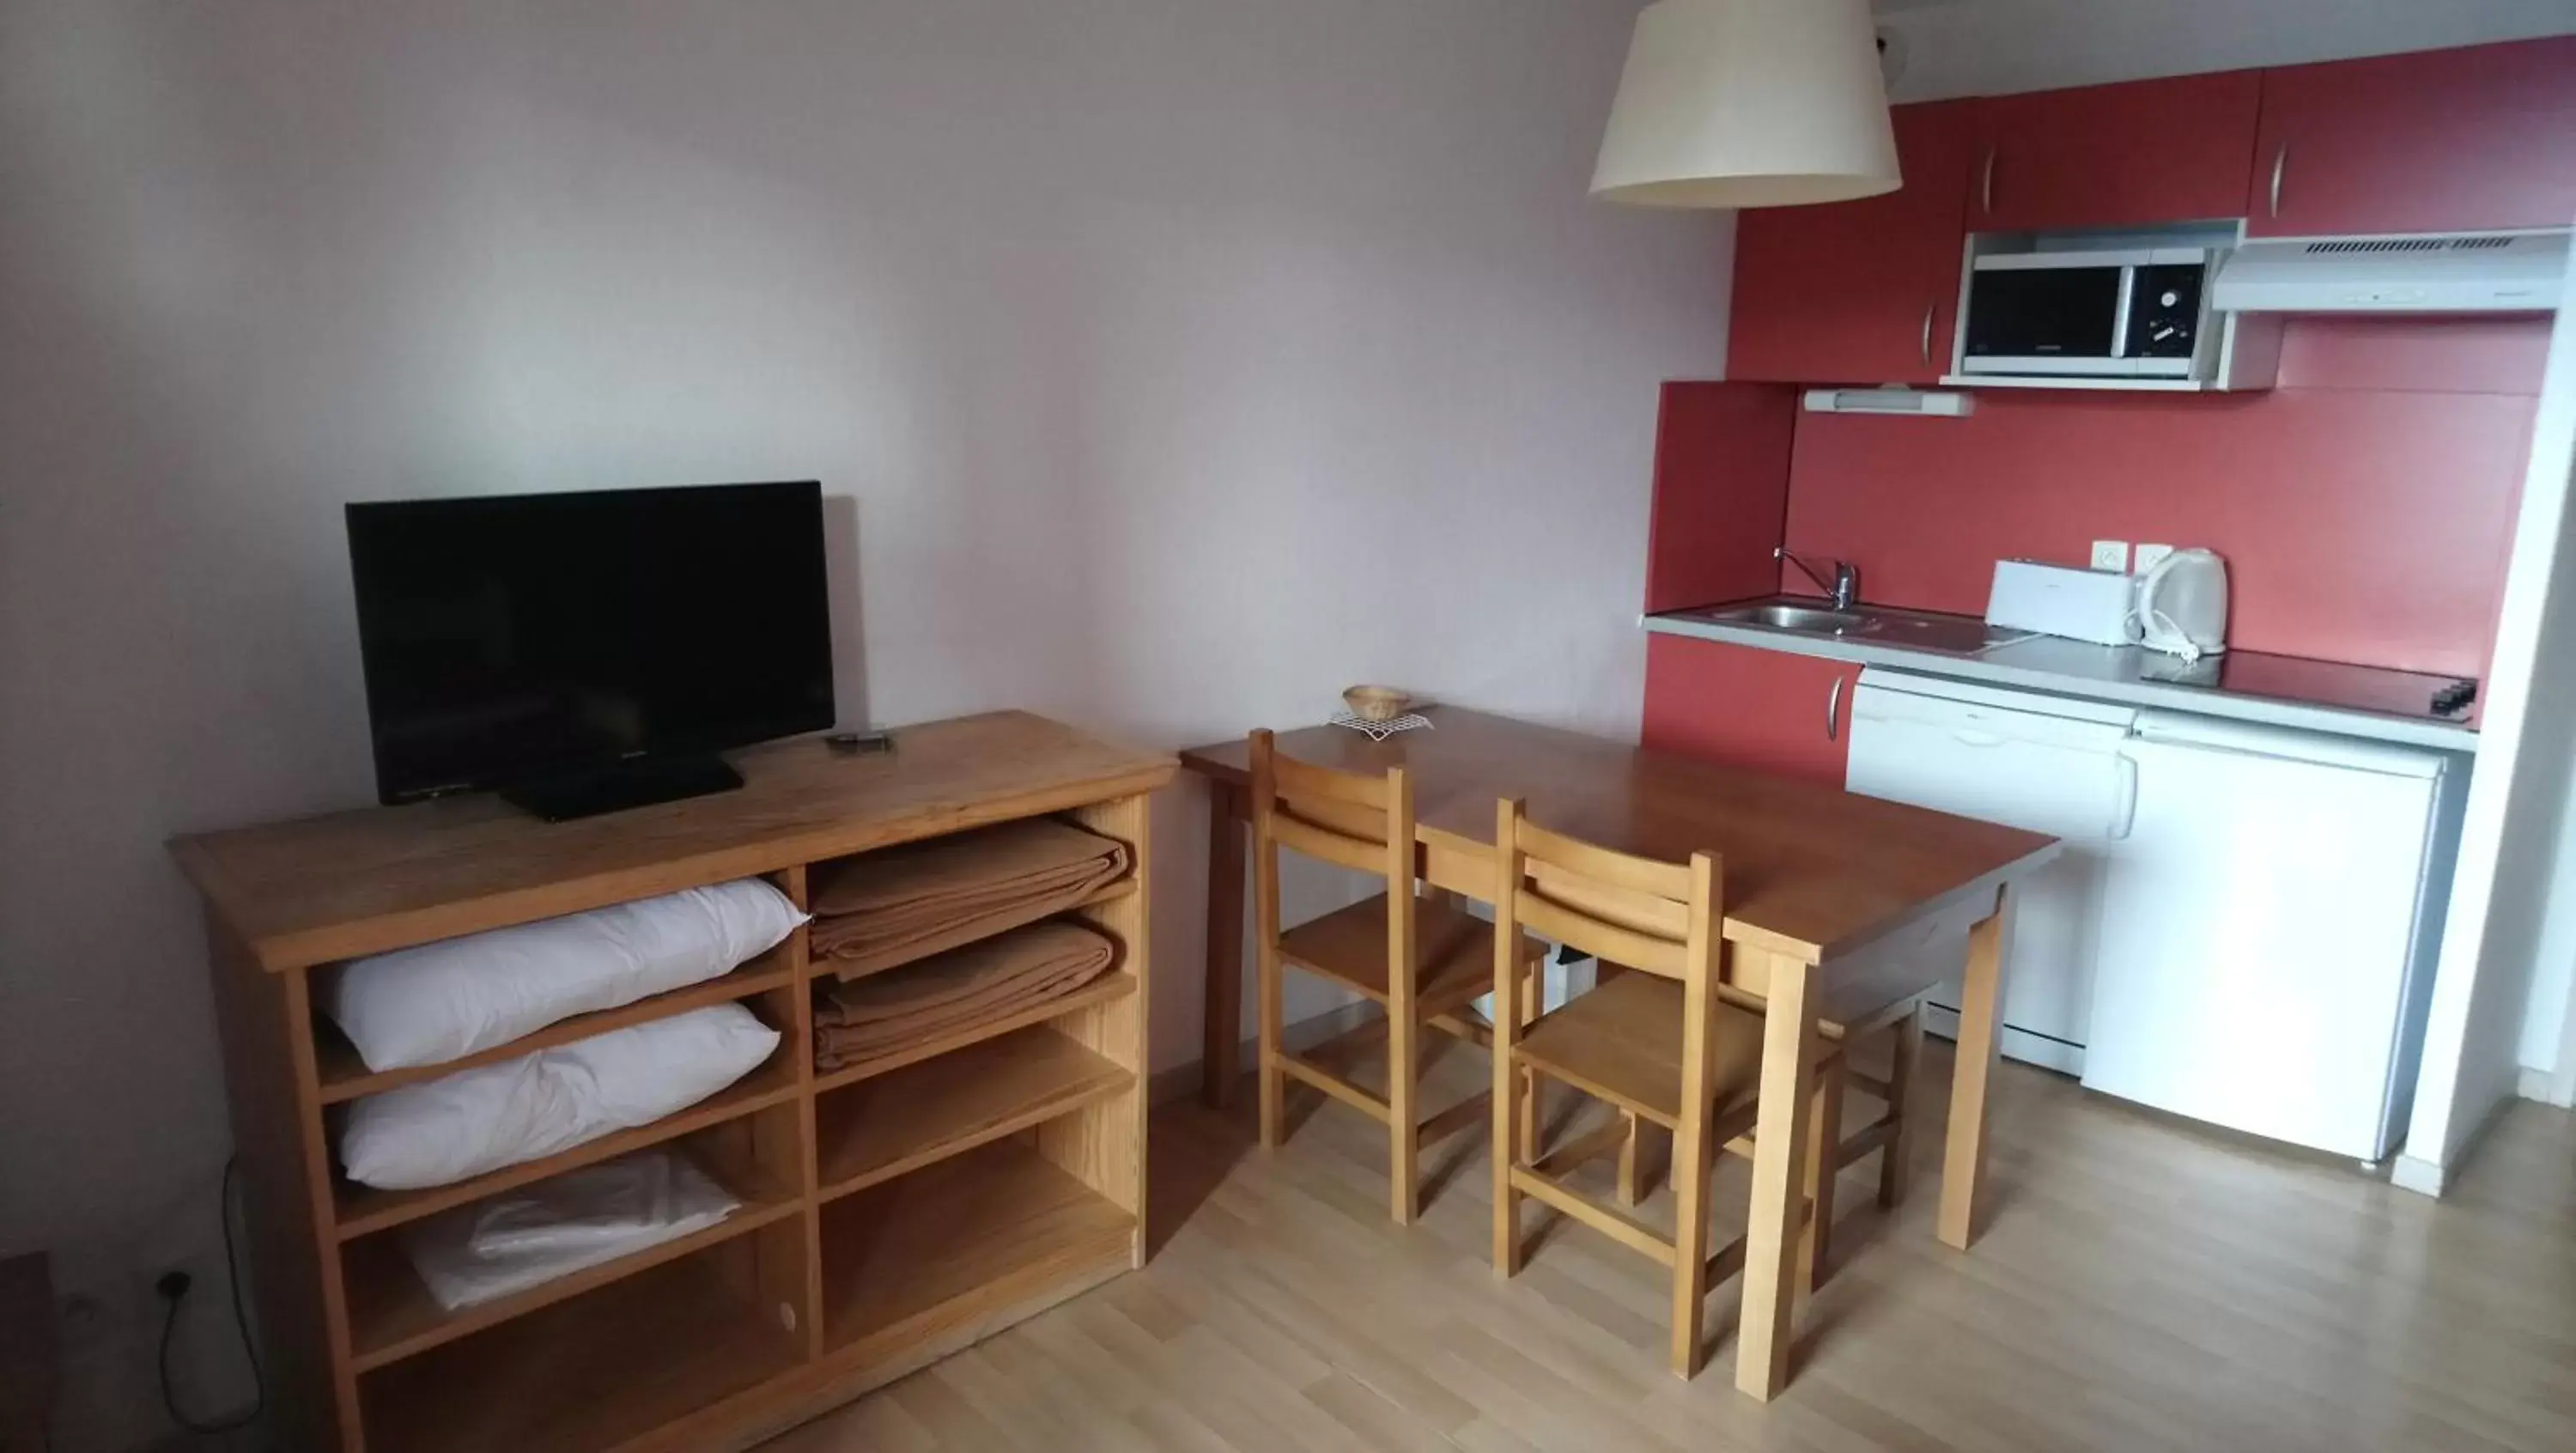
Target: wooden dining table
1837	906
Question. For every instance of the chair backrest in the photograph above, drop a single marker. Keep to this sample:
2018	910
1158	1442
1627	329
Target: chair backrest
1661	918
1364	823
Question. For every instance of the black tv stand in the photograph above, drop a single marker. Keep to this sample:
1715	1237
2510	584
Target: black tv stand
635	782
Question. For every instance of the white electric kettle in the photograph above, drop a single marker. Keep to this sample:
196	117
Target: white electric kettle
2181	606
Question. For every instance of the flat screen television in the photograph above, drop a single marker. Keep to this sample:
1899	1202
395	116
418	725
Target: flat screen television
590	651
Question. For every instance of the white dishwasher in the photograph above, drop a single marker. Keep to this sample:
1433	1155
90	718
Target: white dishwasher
2269	929
2042	763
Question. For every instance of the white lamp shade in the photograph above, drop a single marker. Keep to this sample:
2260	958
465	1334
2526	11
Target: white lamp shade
1749	103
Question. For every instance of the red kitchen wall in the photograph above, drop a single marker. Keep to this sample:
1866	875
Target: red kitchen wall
2364	507
1721	491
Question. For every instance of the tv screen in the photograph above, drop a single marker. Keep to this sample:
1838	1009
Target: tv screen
516	639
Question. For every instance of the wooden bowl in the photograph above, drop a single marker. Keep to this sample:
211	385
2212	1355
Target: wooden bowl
1376	703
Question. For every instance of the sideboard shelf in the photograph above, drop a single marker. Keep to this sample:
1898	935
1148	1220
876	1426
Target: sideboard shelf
392	1316
345	1077
618	1368
892	1124
365	1211
943	1247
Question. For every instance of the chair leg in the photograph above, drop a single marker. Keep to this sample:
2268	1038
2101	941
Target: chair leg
1824	1140
1509	1106
1274	1081
1404	1132
1632	1161
1533	987
1904	1084
1525	1134
1690	1176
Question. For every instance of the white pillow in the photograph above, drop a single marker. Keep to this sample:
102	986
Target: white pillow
458	996
492	1116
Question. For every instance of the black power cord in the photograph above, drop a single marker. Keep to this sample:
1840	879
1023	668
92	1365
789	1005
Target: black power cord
173	1287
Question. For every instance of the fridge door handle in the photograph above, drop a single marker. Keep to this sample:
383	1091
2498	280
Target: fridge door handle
2124	809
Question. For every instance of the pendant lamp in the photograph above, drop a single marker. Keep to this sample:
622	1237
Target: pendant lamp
1749	103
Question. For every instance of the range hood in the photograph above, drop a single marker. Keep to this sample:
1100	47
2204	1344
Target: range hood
2494	272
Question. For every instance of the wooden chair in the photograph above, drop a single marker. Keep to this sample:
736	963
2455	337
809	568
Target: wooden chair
1423	959
1890	1136
1659	1043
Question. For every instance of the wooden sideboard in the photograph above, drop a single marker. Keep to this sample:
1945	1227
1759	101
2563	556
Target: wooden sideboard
892	1212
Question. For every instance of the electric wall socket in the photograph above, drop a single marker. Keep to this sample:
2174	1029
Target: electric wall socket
2149	556
2111	555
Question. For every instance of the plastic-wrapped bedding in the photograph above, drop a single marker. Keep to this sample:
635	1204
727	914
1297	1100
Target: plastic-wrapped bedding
563	1224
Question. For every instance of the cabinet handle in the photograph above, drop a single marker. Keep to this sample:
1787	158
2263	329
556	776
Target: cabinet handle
1986	188
2124	811
2280	163
1834	712
1928	310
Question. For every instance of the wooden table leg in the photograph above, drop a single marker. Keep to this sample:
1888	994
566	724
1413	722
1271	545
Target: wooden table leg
1905	1090
1220	1062
1824	1129
1981	1000
1791	1047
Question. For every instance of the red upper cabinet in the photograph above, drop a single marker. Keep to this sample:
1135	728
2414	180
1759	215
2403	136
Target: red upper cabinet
1859	292
1749	707
2142	152
2435	141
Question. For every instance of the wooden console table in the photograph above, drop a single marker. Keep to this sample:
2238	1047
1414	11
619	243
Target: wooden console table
890	1215
1834	906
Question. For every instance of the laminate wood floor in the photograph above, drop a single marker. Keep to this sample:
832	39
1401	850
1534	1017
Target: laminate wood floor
2143	1284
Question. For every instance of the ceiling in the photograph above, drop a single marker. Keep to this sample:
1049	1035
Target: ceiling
1987	47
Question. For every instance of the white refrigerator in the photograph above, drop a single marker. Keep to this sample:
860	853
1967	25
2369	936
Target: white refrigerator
2269	927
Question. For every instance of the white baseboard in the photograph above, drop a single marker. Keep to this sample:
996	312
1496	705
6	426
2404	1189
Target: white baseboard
2539	1085
1563	981
2408	1173
1942	1022
2422	1177
1182	1080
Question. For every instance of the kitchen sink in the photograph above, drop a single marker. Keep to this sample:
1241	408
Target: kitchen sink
1795	618
1944	635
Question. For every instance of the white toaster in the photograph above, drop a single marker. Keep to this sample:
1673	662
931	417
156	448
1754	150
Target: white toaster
2063	600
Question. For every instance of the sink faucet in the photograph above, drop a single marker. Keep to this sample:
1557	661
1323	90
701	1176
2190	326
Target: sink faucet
1844	587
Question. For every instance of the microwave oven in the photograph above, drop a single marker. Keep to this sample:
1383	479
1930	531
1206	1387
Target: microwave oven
2139	313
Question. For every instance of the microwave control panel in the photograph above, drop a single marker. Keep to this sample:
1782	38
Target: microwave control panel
2164	311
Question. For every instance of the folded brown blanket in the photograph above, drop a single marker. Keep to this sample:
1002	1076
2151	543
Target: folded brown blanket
979	984
897	904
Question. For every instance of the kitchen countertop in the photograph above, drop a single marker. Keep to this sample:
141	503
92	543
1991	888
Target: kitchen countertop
2285	691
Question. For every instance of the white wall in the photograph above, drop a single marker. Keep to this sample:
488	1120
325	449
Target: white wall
1991	47
2546	1017
2507	904
1186	360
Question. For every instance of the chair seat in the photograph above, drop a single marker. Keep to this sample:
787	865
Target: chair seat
1454	950
1622	1043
